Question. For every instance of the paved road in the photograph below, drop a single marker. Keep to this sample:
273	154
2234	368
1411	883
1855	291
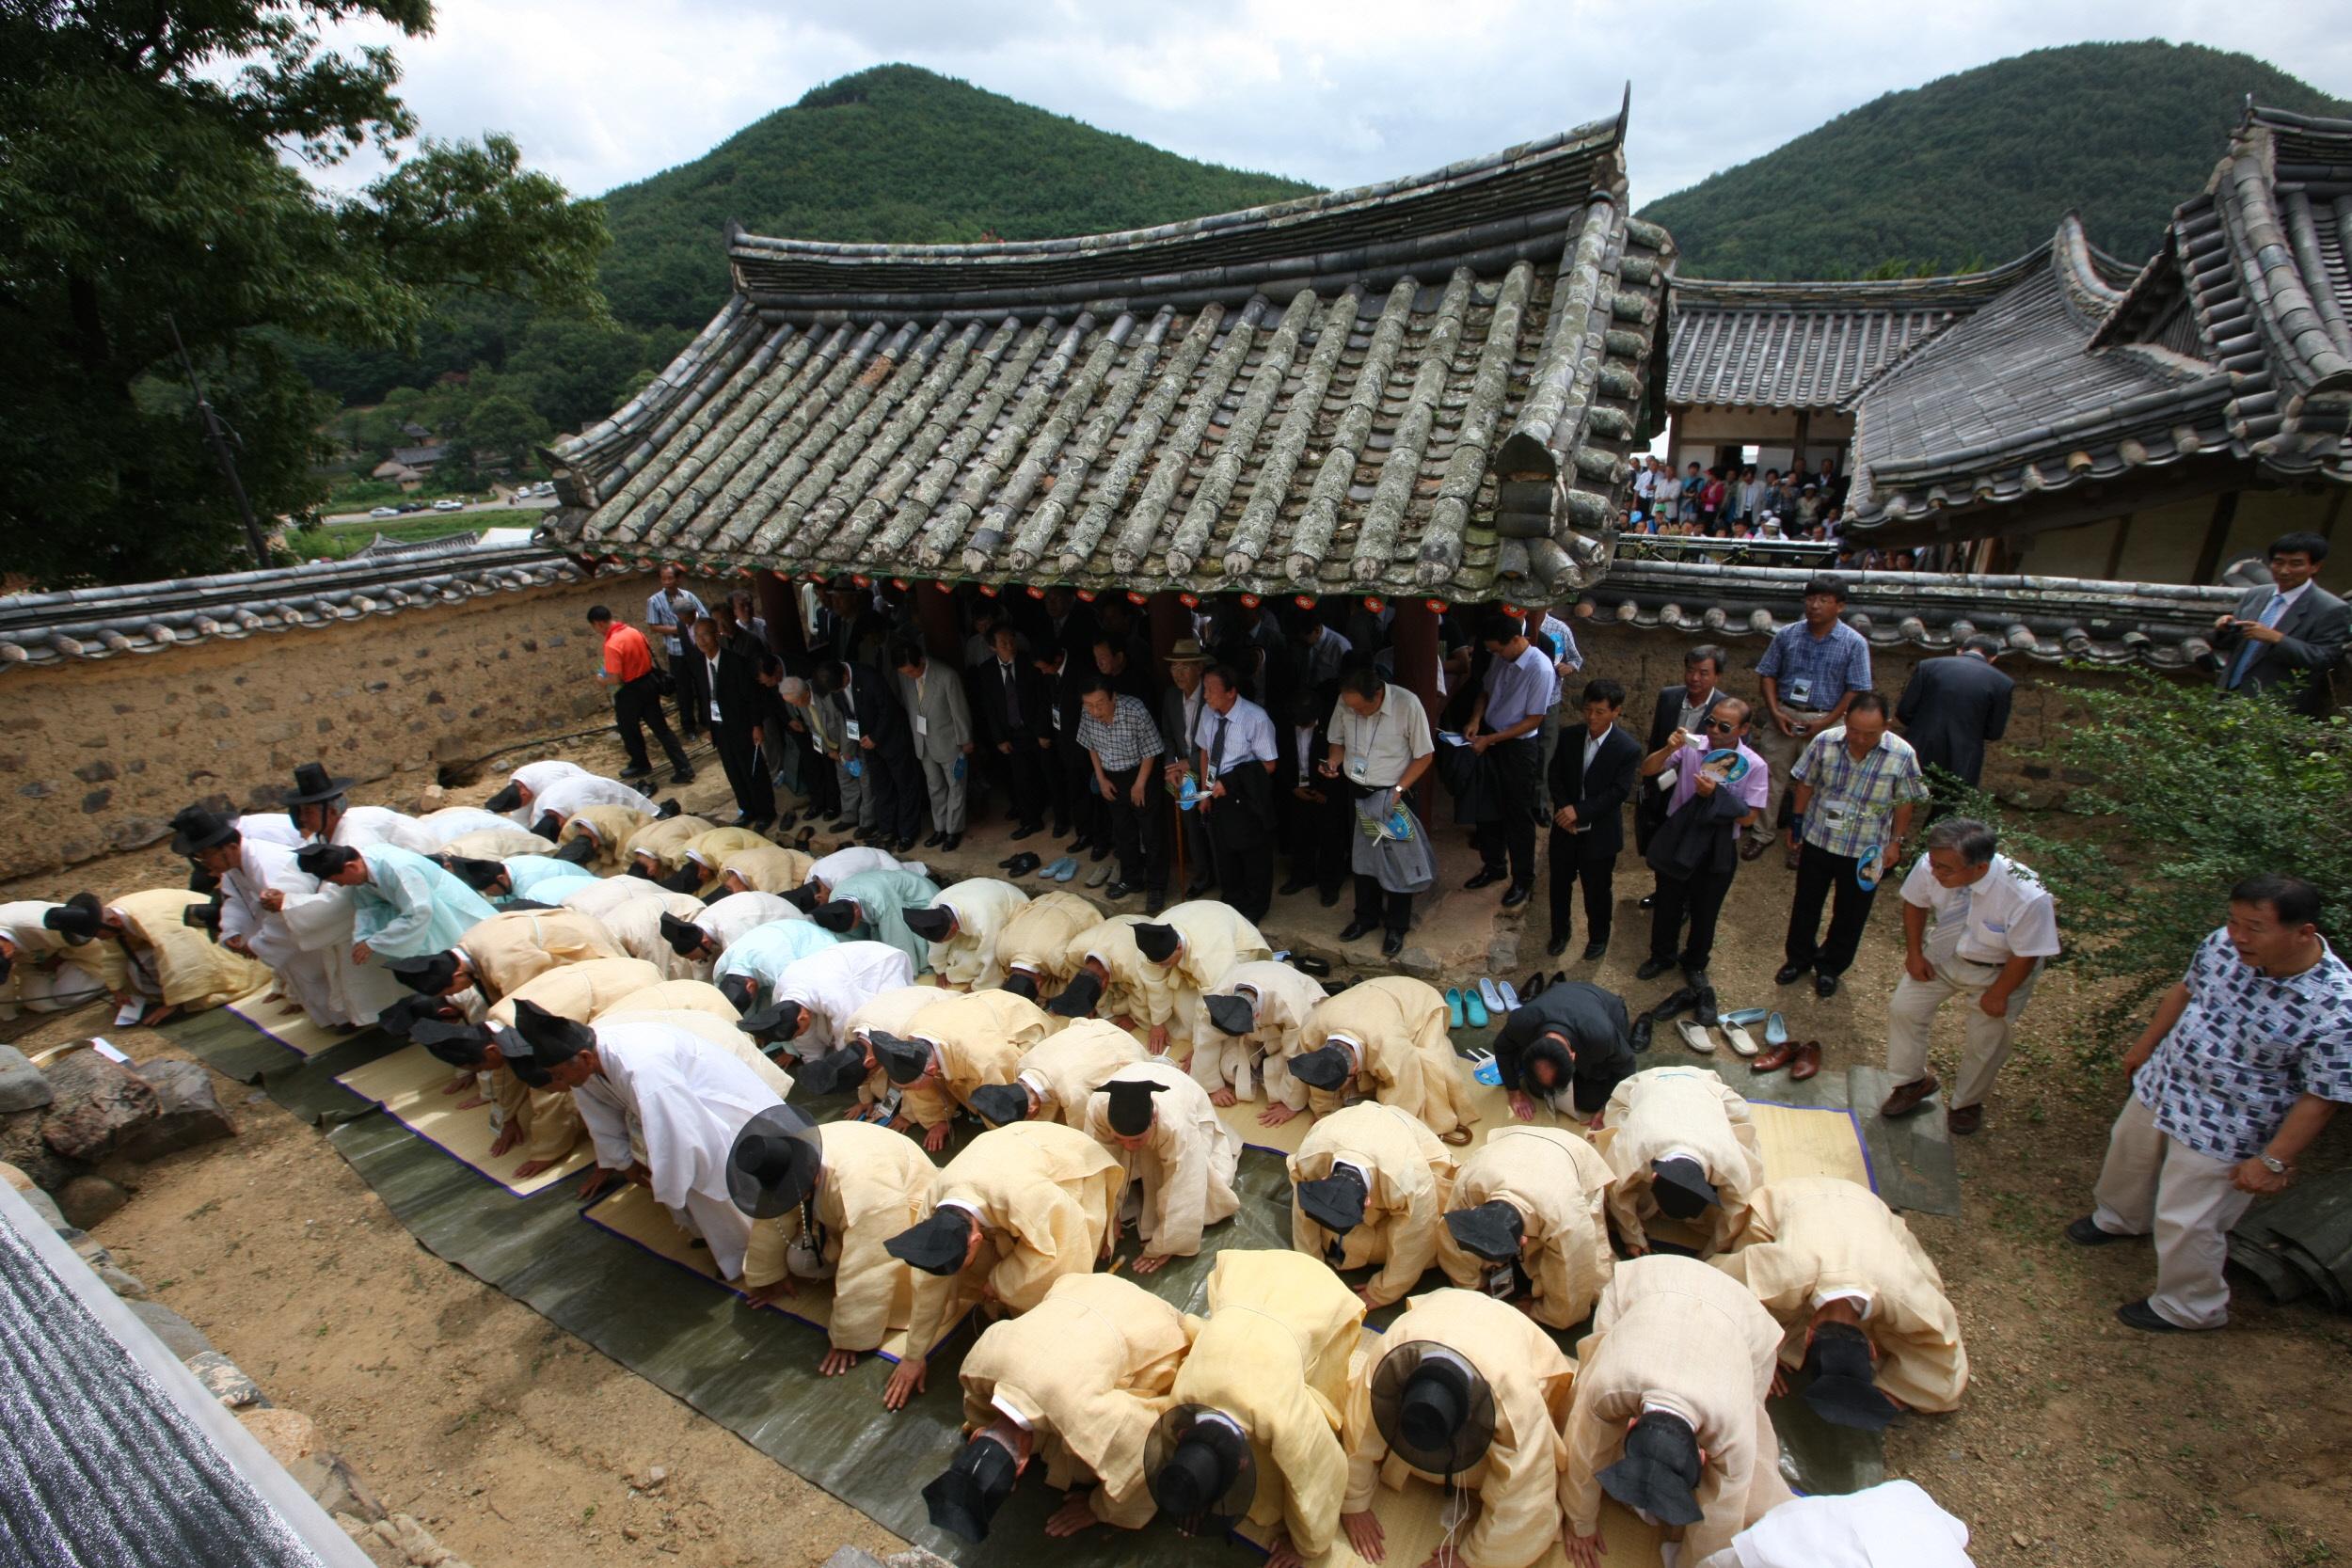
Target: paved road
538	503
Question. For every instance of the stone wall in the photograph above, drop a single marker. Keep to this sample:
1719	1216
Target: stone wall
96	756
2048	696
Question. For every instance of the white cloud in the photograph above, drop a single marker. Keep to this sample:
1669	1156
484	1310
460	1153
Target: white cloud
1340	92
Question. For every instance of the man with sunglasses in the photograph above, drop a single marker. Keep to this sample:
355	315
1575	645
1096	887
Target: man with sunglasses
1695	850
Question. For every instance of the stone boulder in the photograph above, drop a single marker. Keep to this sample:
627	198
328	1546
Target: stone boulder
180	1337
98	1103
86	1199
187	1114
22	1086
22	1146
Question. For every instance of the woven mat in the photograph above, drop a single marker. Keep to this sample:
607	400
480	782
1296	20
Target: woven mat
632	1214
293	1030
407	1085
1796	1142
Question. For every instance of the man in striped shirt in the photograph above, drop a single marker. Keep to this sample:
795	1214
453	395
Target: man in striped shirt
1117	731
1857	789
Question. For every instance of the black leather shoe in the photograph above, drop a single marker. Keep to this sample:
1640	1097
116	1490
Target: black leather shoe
2085	1232
1355	929
1556	947
1197	890
1680	1000
1488	876
1100	852
1391	944
2139	1315
841	825
1154	902
953	841
932	842
1295	886
1020	833
1117	891
1643	1028
1532	988
1708	1018
1788	974
1517	894
1825	985
1329	900
1652	968
1594	950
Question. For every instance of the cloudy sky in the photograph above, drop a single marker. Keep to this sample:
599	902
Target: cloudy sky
1339	92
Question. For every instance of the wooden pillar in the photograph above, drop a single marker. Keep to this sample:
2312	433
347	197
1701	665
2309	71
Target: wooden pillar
780	607
1170	623
1674	440
1796	460
1413	643
943	627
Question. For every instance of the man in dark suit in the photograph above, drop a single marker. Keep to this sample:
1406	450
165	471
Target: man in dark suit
1592	778
885	751
1679	708
736	704
1950	708
1064	672
1016	718
2287	637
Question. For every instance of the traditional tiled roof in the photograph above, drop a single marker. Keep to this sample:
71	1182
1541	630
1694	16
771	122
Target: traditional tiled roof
2253	278
38	629
1810	345
2017	402
1432	384
2161	626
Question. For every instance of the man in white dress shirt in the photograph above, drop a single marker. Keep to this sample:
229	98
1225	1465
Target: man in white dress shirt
1237	755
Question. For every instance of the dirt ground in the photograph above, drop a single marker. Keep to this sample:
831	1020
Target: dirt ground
2081	1442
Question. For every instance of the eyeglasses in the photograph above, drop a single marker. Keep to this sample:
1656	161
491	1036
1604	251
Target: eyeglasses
1722	725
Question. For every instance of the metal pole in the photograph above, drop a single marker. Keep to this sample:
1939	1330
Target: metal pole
221	449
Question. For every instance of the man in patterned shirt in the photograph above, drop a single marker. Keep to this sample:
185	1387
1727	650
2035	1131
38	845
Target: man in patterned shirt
1117	731
2245	1061
1856	786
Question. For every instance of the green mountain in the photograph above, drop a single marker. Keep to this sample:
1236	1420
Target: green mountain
896	153
1974	168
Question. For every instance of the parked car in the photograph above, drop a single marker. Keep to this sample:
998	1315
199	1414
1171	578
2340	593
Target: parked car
448	503
385	512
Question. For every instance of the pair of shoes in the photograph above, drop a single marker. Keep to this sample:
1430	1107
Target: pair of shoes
1329	898
1649	901
1491	994
807	837
1355	929
1595	950
1805	1062
1908	1098
1116	890
633	771
1964	1120
1294	886
1027	830
1753	847
934	840
1708	1018
2139	1315
1557	945
1652	968
1101	873
1675	1004
1059	871
2085	1232
1643	1029
1487	876
1517	894
1741	1041
1788	974
1020	865
1307	963
1392	944
1454	1018
1696	1037
1825	985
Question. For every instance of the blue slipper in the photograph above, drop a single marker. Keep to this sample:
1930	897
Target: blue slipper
1453	1006
1491	996
1476	1008
1061	870
1775	1030
1745	1016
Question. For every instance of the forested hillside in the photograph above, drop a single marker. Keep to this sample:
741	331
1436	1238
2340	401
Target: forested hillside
1977	168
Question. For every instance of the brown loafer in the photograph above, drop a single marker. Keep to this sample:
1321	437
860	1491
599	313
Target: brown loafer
1753	847
1774	1057
1964	1119
1906	1096
1807	1061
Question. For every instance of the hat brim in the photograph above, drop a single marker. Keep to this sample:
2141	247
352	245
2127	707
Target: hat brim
1470	1440
1187	1422
768	1200
312	798
1648	1485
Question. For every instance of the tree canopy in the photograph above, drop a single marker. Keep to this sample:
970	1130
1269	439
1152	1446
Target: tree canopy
151	171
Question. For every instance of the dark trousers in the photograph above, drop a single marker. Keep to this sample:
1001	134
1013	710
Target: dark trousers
1022	771
1699	898
1598	879
1818	873
691	672
897	780
755	794
817	778
1139	832
1518	783
635	704
1245	861
1320	836
1200	852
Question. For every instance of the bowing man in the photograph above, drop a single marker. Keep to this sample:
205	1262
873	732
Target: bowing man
1681	1145
1257	1017
961	923
823	1201
248	868
1167	1139
1465	1390
755	962
1669	1413
404	904
686	1098
1021	1207
1570	1048
1059	1074
1369	1185
1034	945
1387	1039
869	906
953	1047
1861	1299
1529	1223
1077	1381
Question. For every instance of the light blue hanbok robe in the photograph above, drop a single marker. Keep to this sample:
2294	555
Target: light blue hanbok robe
410	907
761	953
880	896
541	878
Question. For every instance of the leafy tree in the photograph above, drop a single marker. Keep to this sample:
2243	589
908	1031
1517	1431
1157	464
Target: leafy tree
500	426
142	181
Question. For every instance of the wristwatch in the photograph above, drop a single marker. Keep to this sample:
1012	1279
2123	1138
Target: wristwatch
2276	1167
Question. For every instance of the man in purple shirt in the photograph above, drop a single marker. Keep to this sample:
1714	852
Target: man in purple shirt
1695	850
1503	726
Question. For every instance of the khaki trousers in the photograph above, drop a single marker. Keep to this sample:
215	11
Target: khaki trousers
1780	752
2154	1182
1913	1008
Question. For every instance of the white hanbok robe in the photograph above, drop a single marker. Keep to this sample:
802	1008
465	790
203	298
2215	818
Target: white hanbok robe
455	822
834	983
575	792
302	974
536	777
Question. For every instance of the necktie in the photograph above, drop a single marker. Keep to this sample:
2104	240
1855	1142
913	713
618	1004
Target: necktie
1216	749
2273	612
1012	696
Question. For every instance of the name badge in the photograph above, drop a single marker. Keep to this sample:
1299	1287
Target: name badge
1359	769
922	725
1801	692
1498	1281
1836	812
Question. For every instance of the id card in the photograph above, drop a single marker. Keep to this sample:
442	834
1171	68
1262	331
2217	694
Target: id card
1498	1281
922	725
1359	769
1801	692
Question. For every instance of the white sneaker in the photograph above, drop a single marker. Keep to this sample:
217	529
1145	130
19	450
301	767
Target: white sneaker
1487	994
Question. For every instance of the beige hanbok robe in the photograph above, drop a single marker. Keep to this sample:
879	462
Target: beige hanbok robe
1286	999
1215	938
1065	1069
1034	939
1044	1194
891	1012
514	947
1686	1110
662	842
1517	1482
635	928
1279	1355
981	1037
1088	1369
876	1185
598	898
1186	1166
982	906
767	867
1813	1237
1408	1175
1676	1333
1560	1186
578	990
709	851
695	995
496	844
169	959
1112	943
1405	1053
610	828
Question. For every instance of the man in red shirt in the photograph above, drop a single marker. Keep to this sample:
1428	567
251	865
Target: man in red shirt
629	671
